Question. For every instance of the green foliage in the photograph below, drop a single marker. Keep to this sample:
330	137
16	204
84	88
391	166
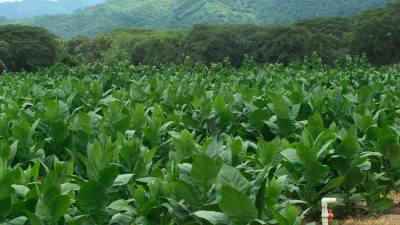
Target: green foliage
210	44
378	35
3	67
4	55
186	13
157	49
283	44
27	48
332	39
87	50
189	144
237	206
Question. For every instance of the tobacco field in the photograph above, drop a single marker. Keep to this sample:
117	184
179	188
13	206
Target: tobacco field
190	144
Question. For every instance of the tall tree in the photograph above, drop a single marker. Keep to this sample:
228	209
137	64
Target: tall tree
29	48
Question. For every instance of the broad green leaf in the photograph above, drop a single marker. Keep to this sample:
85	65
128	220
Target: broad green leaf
121	219
257	192
363	122
51	188
184	145
204	171
122	179
18	221
393	154
108	175
305	154
266	151
139	118
3	168
349	146
315	125
59	131
273	193
280	107
5	207
237	206
77	220
257	118
219	104
21	190
229	176
285	125
316	172
380	205
353	178
188	193
290	154
85	122
279	218
215	218
58	206
21	130
33	219
292	215
53	111
120	205
92	197
237	149
69	187
332	184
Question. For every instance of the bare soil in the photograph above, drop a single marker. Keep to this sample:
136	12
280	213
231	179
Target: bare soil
391	219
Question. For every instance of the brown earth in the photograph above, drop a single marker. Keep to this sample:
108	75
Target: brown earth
383	220
392	219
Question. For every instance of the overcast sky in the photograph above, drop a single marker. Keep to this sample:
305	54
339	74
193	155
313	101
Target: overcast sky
3	1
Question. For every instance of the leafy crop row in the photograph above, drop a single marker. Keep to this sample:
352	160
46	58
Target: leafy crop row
196	145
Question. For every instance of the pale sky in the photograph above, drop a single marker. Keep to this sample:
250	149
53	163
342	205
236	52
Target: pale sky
4	1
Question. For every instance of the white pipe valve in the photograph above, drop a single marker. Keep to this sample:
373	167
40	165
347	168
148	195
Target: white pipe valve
327	214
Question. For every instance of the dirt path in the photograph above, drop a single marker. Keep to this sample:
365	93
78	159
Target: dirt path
383	220
392	219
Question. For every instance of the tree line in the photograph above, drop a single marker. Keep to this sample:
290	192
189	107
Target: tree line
375	33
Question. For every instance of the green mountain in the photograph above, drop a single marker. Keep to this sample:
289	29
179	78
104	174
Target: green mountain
184	13
17	9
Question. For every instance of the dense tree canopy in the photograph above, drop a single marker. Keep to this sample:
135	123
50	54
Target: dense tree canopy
27	48
374	33
378	35
162	14
283	44
4	54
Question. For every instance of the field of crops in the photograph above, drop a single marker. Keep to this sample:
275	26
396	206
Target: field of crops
195	145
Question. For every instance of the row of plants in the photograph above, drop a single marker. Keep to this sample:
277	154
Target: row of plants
190	144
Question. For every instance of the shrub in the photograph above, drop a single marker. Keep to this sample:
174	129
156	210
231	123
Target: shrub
29	48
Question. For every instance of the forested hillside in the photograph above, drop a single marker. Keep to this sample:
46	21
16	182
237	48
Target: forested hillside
375	34
28	8
185	13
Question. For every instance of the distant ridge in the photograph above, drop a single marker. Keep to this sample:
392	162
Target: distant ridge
18	9
185	13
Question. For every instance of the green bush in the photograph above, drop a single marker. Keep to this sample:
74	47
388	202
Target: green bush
375	33
157	50
210	44
29	48
378	36
3	67
282	44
